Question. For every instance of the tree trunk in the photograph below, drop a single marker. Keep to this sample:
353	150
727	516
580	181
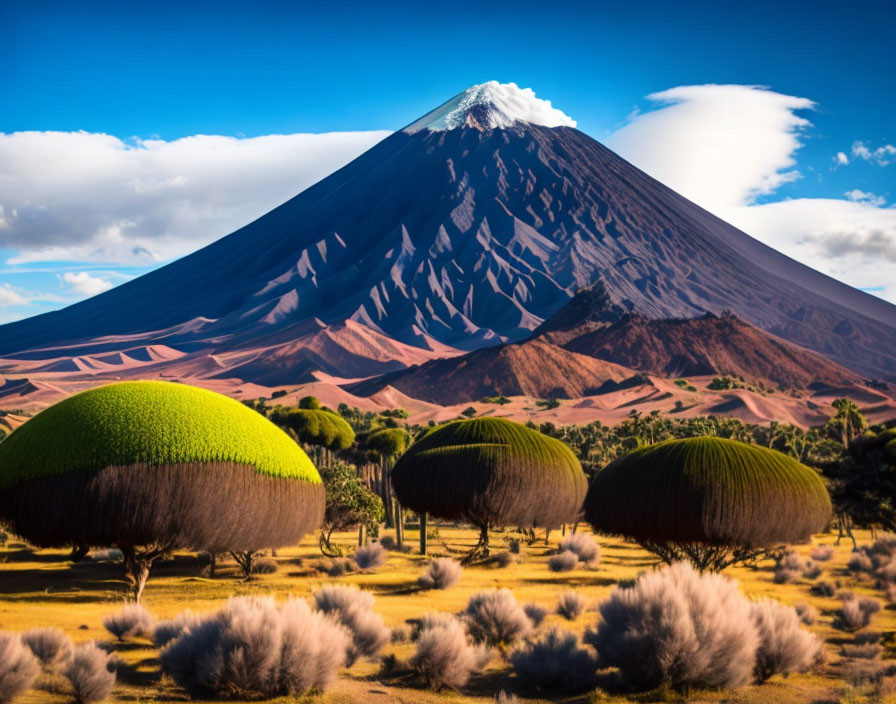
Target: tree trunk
399	525
362	535
423	533
137	570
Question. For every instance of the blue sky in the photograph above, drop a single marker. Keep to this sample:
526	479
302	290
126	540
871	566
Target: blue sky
170	71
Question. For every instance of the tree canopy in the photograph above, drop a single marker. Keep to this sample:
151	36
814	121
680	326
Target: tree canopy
710	493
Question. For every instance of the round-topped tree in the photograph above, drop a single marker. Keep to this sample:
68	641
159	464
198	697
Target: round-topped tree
148	466
709	500
491	472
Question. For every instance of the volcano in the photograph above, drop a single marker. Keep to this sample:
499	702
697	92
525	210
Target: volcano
467	229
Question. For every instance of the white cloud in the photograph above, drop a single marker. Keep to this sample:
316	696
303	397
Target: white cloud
719	145
79	196
855	242
11	297
881	156
83	283
841	159
864	197
722	146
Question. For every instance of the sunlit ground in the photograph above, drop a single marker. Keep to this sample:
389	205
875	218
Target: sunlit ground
41	589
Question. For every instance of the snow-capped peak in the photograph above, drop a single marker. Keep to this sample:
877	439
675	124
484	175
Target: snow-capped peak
490	105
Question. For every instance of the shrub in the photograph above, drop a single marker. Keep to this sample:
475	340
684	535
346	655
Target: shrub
570	605
808	614
789	568
91	673
504	559
555	663
784	646
859	562
823	589
370	556
18	666
679	628
494	617
339	567
822	553
442	573
264	565
132	621
855	612
536	614
565	561
255	647
812	570
50	645
167	631
444	657
513	545
388	542
399	634
584	546
353	608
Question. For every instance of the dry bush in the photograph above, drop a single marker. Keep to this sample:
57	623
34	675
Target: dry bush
678	628
18	666
400	634
536	613
789	568
264	565
353	608
254	647
494	617
370	556
570	605
565	561
823	589
812	571
556	663
503	697
444	657
334	598
513	545
133	621
584	546
822	553
859	562
808	614
855	612
50	645
91	673
167	631
504	559
340	566
443	572
784	646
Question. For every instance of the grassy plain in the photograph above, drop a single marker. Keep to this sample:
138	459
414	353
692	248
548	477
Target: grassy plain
39	588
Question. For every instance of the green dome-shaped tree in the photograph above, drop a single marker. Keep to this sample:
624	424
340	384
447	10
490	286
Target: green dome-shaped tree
708	500
491	472
148	466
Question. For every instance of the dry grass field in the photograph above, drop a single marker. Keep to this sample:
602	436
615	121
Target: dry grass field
40	588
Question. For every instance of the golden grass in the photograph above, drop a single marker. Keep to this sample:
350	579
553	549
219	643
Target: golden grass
41	589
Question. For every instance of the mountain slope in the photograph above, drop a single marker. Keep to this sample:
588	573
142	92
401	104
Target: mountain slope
533	368
462	233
